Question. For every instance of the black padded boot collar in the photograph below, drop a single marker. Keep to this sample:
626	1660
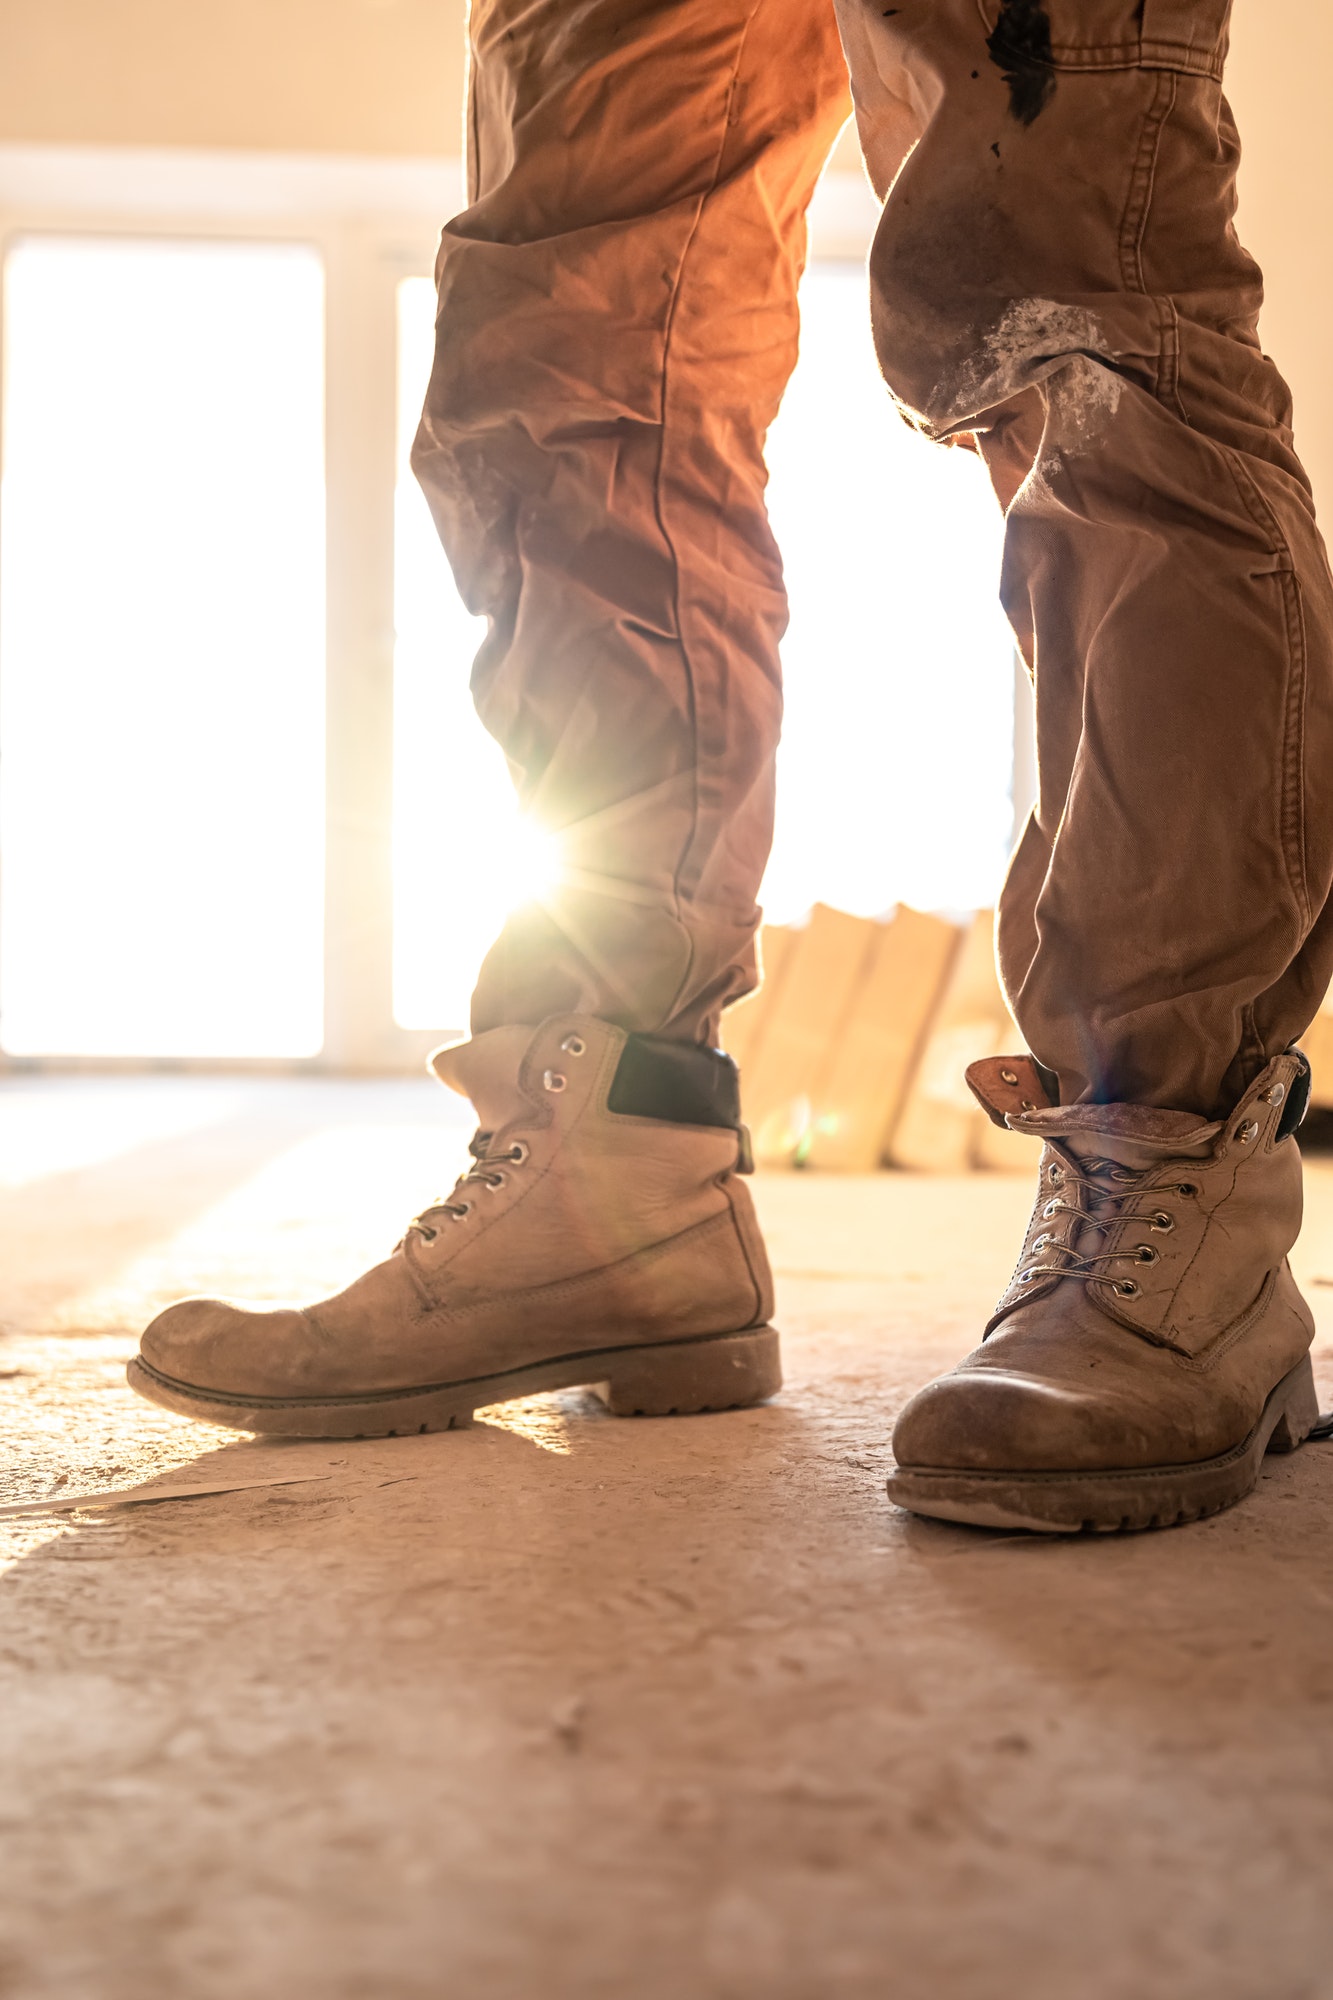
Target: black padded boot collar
679	1083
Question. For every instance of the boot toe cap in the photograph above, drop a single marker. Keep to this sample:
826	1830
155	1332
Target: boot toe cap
213	1344
985	1420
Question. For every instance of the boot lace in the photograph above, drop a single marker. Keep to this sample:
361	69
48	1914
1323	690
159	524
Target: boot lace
1104	1196
487	1173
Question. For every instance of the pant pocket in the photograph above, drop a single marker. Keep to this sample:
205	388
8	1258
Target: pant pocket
1186	35
1189	36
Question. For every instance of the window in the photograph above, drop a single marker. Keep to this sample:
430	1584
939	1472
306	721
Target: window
161	638
463	854
894	771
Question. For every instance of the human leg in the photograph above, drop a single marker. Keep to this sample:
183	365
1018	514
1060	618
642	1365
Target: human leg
1056	279
1065	286
617	324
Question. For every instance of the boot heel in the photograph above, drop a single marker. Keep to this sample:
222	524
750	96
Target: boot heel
1300	1409
686	1377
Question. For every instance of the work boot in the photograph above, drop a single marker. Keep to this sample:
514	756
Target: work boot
1151	1345
600	1239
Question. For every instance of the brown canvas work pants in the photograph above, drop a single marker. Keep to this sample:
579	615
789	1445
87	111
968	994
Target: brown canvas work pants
1056	283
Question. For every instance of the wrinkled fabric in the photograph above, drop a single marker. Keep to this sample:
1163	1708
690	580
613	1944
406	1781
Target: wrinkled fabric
617	325
1055	282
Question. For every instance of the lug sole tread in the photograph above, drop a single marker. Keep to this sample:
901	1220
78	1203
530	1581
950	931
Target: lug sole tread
700	1375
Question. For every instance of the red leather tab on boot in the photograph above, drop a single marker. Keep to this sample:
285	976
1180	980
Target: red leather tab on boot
1007	1084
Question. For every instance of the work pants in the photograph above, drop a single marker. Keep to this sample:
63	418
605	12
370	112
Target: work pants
1056	283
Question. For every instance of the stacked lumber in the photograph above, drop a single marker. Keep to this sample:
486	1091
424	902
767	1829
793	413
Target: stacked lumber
852	1053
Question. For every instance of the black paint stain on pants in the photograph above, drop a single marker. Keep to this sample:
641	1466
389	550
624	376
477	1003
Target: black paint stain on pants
1020	45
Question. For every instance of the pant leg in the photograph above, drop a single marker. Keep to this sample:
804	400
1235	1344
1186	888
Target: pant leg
1057	277
617	322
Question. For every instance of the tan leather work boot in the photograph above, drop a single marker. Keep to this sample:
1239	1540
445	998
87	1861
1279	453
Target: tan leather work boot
1152	1345
601	1238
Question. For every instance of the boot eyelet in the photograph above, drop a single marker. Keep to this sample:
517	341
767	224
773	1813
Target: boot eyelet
461	1211
494	1182
1008	1076
1275	1094
1146	1254
1126	1288
1246	1132
573	1045
1050	1210
425	1231
1162	1221
1054	1176
1041	1243
552	1080
1187	1187
518	1152
1025	1277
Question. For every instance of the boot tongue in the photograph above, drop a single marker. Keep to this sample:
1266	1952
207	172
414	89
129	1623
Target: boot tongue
486	1069
1131	1153
1137	1136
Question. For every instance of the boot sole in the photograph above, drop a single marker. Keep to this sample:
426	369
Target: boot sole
1105	1503
728	1371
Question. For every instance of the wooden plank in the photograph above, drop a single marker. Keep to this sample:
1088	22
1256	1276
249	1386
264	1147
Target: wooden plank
941	1124
859	1097
826	960
743	1024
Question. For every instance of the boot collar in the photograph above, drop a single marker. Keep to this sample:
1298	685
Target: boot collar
1012	1091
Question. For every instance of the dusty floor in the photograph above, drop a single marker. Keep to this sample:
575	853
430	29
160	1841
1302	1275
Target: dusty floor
569	1706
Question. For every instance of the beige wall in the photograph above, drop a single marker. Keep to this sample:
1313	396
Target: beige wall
1278	81
353	76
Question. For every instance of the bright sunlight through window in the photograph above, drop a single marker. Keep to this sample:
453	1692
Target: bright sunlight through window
897	745
894	774
463	854
161	649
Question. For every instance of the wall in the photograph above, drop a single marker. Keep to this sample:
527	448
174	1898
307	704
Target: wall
354	76
1278	82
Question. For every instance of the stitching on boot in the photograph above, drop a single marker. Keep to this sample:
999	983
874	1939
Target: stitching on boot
557	1288
414	1253
755	1280
1222	1344
1007	1305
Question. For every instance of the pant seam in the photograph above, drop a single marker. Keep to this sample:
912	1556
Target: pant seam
1133	231
659	507
1134	222
1252	1052
1291	804
1175	58
1168	357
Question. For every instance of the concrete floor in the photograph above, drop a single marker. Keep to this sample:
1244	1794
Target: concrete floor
568	1706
